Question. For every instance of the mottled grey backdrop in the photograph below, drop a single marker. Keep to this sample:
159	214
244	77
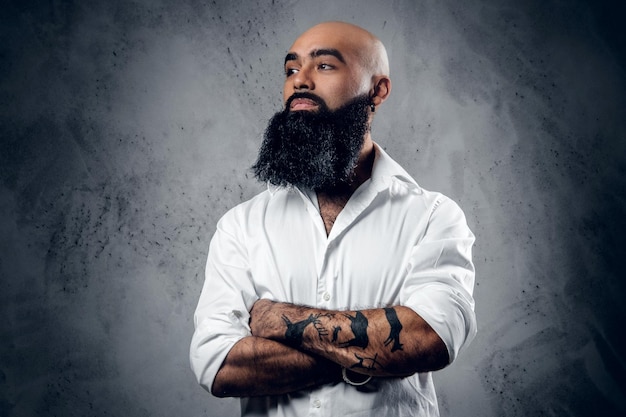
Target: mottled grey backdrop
127	128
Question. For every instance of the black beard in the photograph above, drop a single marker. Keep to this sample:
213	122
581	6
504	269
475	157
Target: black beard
315	150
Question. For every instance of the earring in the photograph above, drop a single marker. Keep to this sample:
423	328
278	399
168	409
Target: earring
372	107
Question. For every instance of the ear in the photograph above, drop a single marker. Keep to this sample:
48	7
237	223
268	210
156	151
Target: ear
380	90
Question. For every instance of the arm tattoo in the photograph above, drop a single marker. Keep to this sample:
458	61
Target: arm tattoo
317	323
396	326
295	331
366	363
336	331
358	325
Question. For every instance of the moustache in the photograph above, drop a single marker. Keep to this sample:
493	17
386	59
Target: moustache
306	95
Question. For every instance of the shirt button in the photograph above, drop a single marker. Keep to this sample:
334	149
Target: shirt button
317	403
326	296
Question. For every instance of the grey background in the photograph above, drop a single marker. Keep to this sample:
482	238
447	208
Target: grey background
127	128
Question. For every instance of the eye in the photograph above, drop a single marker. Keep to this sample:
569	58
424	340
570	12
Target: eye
325	67
290	71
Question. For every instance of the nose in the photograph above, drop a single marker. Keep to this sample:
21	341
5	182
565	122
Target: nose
302	80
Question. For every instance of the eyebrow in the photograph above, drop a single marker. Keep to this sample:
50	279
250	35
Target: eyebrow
292	56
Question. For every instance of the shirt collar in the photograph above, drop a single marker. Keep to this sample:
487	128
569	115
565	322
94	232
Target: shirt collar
273	189
384	171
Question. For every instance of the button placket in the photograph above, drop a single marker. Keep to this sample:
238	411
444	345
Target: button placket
323	295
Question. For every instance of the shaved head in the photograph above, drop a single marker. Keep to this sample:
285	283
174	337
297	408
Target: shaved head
369	49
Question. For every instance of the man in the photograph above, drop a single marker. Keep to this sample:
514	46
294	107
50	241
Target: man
338	290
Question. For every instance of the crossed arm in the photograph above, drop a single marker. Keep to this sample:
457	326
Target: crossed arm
294	347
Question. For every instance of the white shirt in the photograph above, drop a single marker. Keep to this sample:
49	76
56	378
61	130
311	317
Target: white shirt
394	243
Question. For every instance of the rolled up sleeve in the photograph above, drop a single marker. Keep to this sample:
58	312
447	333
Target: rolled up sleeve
221	317
440	277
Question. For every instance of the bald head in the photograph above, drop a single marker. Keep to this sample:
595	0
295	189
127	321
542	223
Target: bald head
366	46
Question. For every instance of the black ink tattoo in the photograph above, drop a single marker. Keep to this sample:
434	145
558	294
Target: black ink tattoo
358	325
366	363
396	326
321	330
295	331
336	331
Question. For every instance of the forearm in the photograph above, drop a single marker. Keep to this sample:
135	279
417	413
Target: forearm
391	341
257	366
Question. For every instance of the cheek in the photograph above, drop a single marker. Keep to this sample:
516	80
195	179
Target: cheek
343	92
359	83
351	86
287	92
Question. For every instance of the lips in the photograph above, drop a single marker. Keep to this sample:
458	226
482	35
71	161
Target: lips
303	104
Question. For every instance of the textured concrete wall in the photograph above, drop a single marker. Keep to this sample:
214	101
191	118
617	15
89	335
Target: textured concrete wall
127	128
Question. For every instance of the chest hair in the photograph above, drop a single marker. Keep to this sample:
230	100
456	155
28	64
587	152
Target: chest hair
330	207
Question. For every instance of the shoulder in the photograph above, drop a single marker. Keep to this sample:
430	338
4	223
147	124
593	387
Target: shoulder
441	203
445	215
272	202
419	197
246	208
441	206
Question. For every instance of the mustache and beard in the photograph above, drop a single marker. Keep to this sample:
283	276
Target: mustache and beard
315	150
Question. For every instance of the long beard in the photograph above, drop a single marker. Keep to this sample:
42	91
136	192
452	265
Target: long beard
313	150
